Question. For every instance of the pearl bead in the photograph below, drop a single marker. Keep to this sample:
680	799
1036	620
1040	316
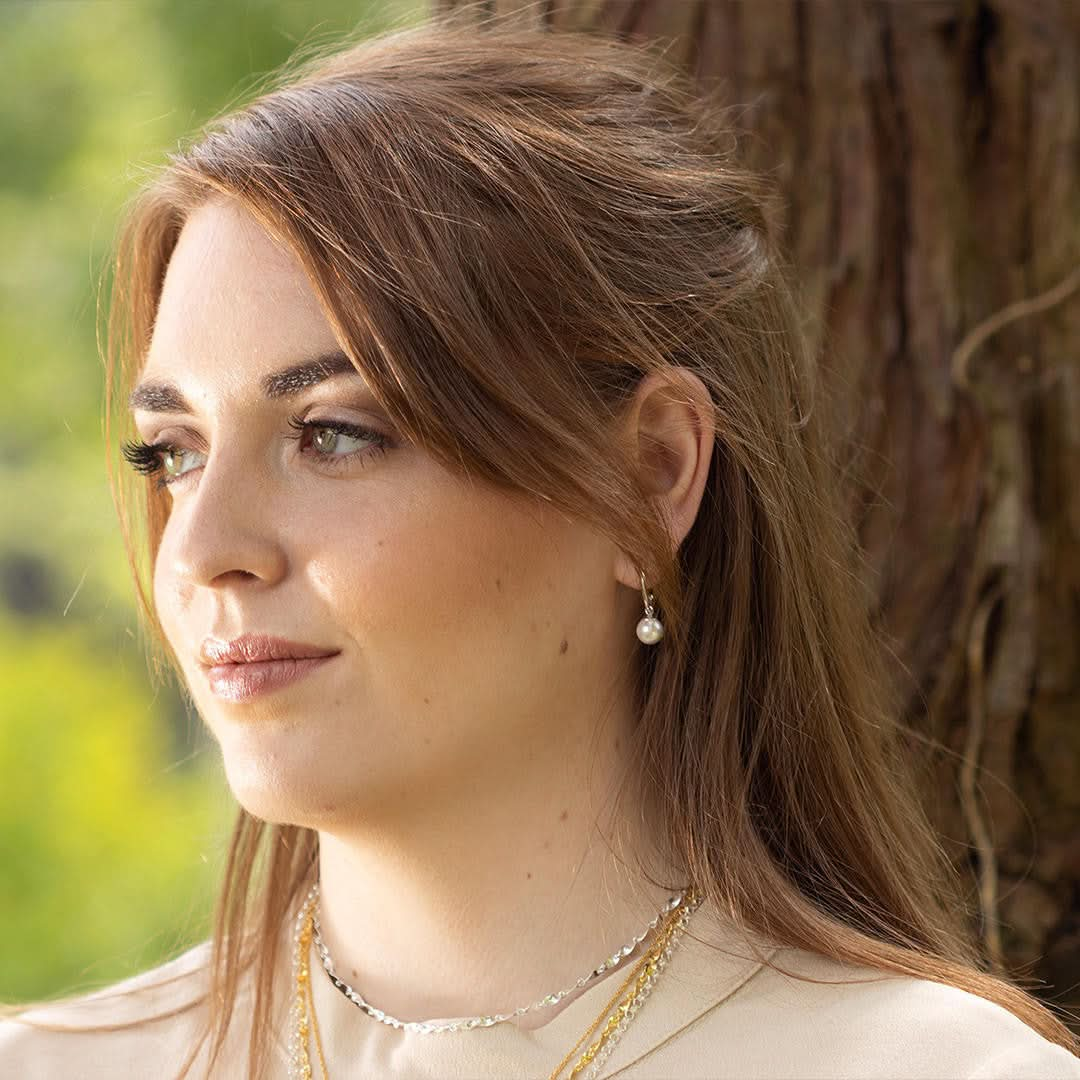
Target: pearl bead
650	630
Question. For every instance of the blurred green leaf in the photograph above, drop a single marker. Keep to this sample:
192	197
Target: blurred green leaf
110	847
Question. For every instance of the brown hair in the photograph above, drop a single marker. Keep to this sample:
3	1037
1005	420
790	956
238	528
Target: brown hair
508	228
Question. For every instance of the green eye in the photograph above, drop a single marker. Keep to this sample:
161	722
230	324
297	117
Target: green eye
170	460
326	439
158	460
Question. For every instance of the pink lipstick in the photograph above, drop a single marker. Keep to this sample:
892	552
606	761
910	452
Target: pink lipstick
253	664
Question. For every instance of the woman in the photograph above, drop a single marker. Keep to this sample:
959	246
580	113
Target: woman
496	537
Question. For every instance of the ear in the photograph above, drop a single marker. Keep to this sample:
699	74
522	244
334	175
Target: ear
671	425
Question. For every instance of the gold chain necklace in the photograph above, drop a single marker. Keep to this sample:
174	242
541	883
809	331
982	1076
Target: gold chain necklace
640	982
636	987
304	1009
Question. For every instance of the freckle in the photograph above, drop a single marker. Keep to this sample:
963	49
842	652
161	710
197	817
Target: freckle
564	815
427	740
564	646
547	844
355	973
528	875
498	584
427	701
616	744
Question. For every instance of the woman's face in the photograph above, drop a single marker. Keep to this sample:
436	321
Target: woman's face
472	630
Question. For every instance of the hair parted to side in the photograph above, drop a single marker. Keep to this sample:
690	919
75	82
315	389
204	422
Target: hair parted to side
508	228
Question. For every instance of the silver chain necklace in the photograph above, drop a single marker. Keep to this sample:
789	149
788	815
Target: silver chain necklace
427	1027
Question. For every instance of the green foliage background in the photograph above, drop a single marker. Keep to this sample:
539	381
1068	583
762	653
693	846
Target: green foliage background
113	806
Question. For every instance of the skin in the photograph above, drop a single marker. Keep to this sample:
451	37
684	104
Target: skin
458	755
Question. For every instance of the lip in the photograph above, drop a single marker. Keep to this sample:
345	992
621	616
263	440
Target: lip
243	682
254	664
253	648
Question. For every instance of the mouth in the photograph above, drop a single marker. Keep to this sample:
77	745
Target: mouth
240	682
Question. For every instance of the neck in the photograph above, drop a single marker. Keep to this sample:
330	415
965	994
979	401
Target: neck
474	906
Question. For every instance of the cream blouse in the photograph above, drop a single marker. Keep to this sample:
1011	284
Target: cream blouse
716	1011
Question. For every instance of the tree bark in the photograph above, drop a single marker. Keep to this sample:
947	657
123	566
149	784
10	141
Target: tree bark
928	157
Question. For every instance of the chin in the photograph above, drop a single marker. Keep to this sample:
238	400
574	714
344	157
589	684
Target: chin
272	780
281	791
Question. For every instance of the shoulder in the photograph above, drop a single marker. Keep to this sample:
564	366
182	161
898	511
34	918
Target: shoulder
919	1026
853	1022
31	1047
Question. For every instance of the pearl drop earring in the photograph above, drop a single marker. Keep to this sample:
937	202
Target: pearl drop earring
650	629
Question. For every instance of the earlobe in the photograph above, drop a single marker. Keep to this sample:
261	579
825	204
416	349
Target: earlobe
626	570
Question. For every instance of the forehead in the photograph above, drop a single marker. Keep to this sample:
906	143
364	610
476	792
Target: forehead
233	295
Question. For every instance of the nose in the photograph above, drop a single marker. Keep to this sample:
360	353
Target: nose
226	527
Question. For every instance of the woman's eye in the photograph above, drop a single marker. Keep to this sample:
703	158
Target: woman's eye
172	458
327	437
158	459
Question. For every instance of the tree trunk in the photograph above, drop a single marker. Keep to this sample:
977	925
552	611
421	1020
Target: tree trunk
928	156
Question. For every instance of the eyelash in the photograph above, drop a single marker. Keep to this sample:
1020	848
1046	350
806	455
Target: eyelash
146	457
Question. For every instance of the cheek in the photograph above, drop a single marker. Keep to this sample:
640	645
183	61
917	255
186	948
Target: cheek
167	594
172	598
416	573
443	587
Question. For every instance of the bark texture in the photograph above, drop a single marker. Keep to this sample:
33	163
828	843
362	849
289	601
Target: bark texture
928	155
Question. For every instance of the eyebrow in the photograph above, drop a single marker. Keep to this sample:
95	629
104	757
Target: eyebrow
160	396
